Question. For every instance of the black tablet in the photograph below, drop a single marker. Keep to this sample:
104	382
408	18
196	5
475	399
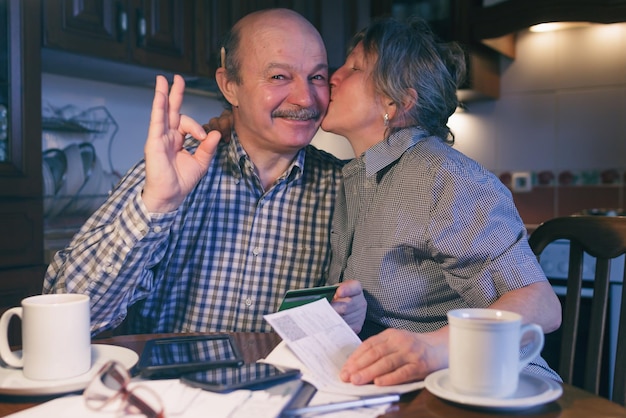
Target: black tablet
174	356
247	376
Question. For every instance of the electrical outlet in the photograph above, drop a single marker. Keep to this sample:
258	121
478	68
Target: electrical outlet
521	181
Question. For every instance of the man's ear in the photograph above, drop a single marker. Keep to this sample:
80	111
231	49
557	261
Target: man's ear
227	86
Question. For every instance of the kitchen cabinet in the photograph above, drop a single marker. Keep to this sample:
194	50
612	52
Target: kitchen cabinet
101	40
21	206
447	18
488	32
336	20
156	33
510	16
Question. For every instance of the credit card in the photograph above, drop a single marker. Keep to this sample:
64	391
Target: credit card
298	297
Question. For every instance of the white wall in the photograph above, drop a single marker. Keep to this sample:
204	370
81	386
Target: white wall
130	108
562	106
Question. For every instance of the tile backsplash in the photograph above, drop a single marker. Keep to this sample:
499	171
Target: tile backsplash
569	192
545	202
516	181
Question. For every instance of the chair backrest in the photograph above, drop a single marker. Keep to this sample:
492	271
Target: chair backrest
604	238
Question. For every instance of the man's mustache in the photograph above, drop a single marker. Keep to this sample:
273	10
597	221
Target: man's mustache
297	114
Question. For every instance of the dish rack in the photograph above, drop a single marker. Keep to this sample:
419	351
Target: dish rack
95	120
74	179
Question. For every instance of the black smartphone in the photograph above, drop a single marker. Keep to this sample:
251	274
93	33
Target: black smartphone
174	356
297	297
247	376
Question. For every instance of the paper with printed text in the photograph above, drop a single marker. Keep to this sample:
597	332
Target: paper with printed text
322	341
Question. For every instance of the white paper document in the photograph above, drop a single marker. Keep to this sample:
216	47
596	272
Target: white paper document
321	342
179	400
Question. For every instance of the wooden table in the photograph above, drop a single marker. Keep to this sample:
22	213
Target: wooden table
575	403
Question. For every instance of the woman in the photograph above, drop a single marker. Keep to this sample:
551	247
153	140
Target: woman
424	228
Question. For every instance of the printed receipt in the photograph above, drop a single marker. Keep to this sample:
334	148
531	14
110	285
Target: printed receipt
322	341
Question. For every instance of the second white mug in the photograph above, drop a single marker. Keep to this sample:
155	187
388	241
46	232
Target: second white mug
485	345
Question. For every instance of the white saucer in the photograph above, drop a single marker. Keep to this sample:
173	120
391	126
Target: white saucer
531	391
13	382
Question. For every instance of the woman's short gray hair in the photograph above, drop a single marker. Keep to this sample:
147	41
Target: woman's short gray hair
407	55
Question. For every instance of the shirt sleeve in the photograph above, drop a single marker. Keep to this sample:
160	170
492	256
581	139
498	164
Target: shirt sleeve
111	257
478	237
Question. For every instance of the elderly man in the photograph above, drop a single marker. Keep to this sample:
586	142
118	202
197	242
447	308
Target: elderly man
207	235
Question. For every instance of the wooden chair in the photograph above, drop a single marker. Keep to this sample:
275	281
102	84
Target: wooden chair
603	238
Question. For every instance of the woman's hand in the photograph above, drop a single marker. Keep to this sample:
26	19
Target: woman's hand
349	302
222	123
397	356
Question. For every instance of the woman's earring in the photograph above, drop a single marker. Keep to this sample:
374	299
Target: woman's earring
386	119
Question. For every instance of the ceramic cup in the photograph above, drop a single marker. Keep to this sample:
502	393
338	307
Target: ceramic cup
485	351
56	340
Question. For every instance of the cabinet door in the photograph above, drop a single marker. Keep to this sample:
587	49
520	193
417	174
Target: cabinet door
88	27
21	205
449	19
162	36
20	95
213	18
152	33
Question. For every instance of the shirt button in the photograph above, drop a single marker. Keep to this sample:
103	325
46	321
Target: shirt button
256	251
108	269
157	229
248	302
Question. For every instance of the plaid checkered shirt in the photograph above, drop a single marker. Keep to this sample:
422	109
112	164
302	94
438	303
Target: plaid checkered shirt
220	262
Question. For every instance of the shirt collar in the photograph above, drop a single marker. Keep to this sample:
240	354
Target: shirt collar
391	149
239	158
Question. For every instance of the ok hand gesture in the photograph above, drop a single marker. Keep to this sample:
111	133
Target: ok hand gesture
171	171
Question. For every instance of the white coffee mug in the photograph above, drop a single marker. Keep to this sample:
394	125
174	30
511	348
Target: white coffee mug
56	340
485	347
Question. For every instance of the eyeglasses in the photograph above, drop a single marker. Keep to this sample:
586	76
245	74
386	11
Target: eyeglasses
110	384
